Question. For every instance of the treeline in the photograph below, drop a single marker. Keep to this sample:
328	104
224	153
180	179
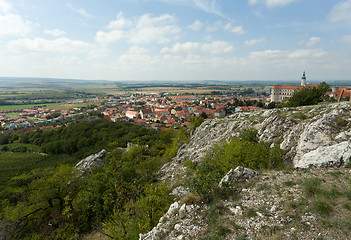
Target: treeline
84	138
123	198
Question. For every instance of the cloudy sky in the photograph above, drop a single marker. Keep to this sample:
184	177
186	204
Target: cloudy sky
176	39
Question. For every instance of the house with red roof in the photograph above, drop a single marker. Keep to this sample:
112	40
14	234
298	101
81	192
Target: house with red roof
146	113
131	114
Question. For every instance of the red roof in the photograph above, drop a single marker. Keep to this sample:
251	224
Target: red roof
146	111
287	87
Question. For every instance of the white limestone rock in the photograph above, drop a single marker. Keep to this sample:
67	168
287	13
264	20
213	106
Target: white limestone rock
336	155
238	174
91	161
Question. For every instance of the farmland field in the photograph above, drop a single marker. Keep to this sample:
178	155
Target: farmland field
14	107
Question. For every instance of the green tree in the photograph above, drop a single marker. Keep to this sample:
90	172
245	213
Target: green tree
308	96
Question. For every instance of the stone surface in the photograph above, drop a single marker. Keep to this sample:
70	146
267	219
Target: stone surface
91	161
238	174
260	213
336	155
297	135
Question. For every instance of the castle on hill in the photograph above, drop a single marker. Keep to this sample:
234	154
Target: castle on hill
279	92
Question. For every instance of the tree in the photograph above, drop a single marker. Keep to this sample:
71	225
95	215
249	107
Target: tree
308	96
260	104
203	115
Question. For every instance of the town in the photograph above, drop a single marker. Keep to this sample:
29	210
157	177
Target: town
157	110
154	110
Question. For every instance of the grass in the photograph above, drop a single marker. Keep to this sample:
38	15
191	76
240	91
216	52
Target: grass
12	164
14	107
322	207
289	183
311	186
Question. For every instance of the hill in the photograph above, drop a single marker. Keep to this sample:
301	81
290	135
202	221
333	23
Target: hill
309	198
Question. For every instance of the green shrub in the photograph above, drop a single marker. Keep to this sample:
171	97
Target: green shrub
222	231
191	198
348	195
289	183
251	212
221	158
249	135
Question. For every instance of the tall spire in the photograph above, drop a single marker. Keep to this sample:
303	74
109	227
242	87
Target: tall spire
303	79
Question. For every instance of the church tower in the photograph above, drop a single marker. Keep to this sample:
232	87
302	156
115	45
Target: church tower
303	80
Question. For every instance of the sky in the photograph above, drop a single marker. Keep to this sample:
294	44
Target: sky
151	40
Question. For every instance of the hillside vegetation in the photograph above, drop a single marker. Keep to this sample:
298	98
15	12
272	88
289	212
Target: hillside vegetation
43	196
165	185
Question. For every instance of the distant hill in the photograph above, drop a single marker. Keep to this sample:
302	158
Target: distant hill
53	83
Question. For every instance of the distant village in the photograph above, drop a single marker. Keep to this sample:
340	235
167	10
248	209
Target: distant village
154	110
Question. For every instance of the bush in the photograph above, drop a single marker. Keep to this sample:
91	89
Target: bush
221	158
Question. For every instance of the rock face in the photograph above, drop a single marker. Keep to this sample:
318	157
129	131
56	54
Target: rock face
238	174
336	155
313	137
299	131
268	209
180	218
91	161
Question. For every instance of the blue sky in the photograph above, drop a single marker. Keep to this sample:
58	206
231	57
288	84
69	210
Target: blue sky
176	39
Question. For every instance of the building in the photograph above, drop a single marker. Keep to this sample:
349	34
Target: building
146	113
131	114
279	93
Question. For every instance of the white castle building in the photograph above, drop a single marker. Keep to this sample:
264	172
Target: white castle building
279	93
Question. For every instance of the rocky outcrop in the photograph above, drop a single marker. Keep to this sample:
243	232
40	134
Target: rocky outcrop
313	137
275	207
181	221
337	155
239	174
91	161
299	131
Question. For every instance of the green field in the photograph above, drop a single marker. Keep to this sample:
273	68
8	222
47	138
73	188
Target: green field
14	107
12	164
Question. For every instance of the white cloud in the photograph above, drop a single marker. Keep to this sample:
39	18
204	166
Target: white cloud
14	25
254	41
109	37
120	22
82	12
215	47
4	6
54	32
136	50
272	3
195	26
210	6
60	45
345	39
146	29
214	27
236	29
311	42
341	12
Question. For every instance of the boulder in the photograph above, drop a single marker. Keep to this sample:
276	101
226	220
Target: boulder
239	174
337	155
92	161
